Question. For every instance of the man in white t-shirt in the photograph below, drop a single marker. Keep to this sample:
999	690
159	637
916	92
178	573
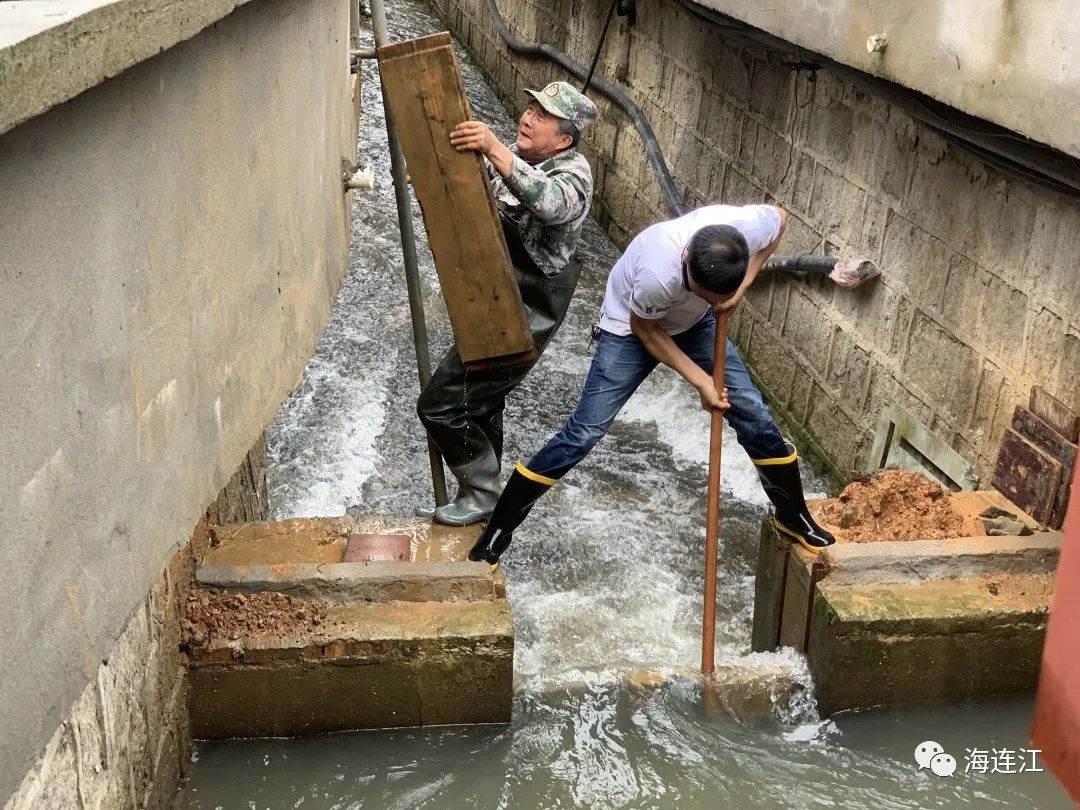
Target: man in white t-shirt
659	308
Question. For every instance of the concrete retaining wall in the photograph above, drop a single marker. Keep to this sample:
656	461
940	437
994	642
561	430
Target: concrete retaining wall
980	299
172	242
125	741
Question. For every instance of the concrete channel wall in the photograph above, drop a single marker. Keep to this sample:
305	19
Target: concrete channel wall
172	240
980	299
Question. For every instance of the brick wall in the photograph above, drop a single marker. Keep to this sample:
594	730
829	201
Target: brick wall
979	300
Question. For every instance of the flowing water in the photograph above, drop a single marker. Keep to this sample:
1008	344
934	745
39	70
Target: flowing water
604	577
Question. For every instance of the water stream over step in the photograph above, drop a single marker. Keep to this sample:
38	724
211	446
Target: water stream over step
604	577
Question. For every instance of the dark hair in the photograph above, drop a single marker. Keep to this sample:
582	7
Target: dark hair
567	127
716	258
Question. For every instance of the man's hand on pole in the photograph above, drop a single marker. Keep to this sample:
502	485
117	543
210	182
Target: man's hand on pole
711	401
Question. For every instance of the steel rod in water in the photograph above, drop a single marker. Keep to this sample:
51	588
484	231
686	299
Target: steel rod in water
712	510
408	250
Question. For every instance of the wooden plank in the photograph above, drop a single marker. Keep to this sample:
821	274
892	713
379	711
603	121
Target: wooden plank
1027	476
1055	413
423	87
1043	436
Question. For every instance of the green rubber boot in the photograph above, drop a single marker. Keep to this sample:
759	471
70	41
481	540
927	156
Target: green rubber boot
478	492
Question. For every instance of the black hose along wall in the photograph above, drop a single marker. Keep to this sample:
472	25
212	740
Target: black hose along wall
1007	151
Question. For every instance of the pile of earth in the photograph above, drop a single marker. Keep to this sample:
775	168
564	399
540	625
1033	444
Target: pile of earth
890	504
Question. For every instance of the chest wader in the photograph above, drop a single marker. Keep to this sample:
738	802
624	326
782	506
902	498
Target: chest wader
462	410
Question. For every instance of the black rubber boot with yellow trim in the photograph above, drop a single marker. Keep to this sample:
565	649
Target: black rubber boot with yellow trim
519	496
783	484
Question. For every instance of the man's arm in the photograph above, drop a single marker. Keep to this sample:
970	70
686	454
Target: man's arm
553	199
757	261
660	345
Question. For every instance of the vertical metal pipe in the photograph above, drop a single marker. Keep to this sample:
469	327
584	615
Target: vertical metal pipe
408	250
712	510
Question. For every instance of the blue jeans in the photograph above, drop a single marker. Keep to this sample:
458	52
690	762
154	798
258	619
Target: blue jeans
621	364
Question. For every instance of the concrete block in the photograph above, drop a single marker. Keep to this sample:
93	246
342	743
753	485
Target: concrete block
341	583
381	666
917	260
914	561
987	310
946	369
910	644
806	327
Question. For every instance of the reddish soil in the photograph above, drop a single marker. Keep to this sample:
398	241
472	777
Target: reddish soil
890	505
214	615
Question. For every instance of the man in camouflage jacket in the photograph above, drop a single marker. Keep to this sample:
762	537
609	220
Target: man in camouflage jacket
542	187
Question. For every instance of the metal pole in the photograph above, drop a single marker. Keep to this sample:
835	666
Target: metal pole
712	510
408	250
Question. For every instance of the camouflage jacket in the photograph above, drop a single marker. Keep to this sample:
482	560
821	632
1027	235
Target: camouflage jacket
548	202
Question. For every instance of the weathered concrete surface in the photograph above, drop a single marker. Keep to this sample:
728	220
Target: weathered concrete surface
1010	63
385	665
172	241
979	299
323	539
125	741
951	640
958	558
52	50
359	582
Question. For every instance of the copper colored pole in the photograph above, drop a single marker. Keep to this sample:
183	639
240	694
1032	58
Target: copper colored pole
712	511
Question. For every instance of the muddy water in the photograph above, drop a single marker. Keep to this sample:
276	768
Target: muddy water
605	576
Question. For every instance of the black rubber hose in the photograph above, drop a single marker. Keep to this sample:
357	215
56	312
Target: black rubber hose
801	263
616	94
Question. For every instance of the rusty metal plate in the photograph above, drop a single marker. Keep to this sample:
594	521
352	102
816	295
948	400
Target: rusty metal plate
377	548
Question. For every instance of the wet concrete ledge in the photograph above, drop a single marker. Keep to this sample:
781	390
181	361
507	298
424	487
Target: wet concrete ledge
359	582
383	666
428	641
52	50
910	622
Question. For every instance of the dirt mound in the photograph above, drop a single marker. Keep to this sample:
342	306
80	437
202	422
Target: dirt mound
214	615
890	505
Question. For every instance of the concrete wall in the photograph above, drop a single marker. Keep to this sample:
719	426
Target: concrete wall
980	298
125	741
173	239
1007	61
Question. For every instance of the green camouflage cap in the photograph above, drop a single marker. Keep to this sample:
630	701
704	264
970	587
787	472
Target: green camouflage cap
564	100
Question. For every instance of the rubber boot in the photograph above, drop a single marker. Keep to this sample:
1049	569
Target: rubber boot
783	484
478	491
519	496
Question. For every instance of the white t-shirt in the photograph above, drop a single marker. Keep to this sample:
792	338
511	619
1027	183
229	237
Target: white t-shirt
647	279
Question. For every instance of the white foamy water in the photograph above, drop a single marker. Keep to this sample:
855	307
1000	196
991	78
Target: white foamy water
605	578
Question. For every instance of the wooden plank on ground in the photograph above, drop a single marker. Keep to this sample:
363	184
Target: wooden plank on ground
1027	476
423	86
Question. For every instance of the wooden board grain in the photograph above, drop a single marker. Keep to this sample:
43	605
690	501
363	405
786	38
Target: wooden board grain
1055	413
423	87
1043	436
1027	476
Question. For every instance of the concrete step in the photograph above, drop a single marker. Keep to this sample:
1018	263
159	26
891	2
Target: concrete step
956	558
366	666
344	583
286	639
914	643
